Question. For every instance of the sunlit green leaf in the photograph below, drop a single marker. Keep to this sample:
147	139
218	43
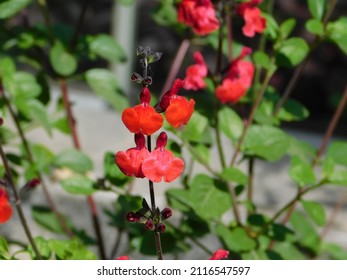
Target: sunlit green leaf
75	160
301	172
337	32
230	123
107	47
291	52
338	152
317	8
9	8
233	174
103	82
62	61
287	27
45	217
315	210
78	184
237	239
315	26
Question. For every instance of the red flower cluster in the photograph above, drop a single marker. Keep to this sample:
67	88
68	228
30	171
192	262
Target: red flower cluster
251	14
142	120
238	79
5	207
196	73
199	14
156	166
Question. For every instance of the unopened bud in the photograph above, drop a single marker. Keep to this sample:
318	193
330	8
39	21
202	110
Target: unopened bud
166	213
133	217
149	225
161	228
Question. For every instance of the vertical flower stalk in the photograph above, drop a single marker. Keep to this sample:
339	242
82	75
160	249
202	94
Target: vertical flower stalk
141	161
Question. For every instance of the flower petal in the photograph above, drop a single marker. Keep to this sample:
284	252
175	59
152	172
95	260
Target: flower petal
179	111
5	211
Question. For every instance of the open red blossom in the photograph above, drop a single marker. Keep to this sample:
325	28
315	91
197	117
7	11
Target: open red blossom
5	207
198	14
238	79
179	111
220	254
161	163
130	161
196	73
164	101
254	22
142	118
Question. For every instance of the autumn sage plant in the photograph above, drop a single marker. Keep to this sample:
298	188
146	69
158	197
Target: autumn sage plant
197	142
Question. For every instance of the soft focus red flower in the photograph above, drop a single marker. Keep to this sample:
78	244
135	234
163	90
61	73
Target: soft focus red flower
196	73
220	254
164	101
238	79
142	118
123	258
254	22
130	161
161	163
5	207
179	111
198	14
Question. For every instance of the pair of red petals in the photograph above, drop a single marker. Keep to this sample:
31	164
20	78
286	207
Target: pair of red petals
254	22
5	207
156	166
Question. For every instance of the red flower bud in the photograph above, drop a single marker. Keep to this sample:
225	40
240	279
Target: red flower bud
161	228
149	225
166	213
133	217
34	183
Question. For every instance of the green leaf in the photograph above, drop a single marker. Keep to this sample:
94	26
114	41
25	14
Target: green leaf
315	26
112	171
4	251
315	210
75	160
264	113
209	198
337	32
338	152
300	149
43	157
236	240
201	154
328	167
288	251
293	111
261	59
46	218
233	174
11	7
338	177
42	246
179	199
317	8
38	113
306	234
78	184
7	67
108	48
62	61
125	2
301	172
22	85
70	250
291	52
287	27
197	128
105	85
260	138
335	251
271	30
230	123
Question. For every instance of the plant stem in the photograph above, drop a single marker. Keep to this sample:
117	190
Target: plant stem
77	145
177	62
259	97
251	163
30	158
18	204
79	24
154	208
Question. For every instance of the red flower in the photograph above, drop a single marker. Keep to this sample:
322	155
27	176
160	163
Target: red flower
161	163
254	22
196	73
123	258
142	118
238	80
179	111
5	207
199	14
220	254
130	161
